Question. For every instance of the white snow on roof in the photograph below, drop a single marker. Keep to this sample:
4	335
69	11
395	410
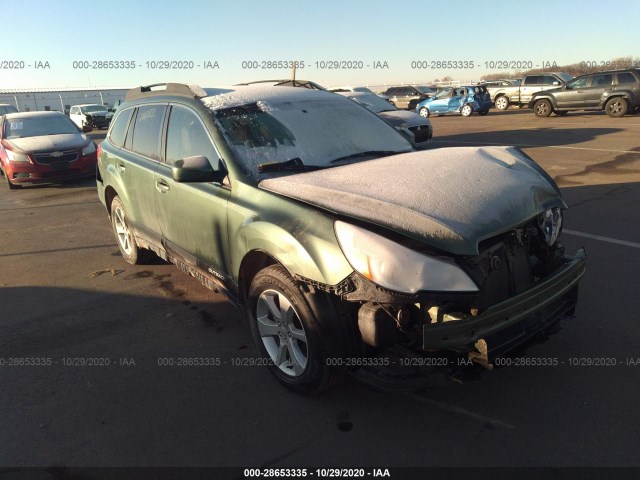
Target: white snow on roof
248	94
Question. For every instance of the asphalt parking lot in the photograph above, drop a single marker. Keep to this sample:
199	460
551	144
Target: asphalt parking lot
65	294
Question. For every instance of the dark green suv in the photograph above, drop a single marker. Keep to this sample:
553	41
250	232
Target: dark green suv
617	92
334	235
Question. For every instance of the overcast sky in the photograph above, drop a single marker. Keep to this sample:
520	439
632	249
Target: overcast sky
232	32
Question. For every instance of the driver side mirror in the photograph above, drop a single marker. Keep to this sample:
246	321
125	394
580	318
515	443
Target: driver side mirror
195	169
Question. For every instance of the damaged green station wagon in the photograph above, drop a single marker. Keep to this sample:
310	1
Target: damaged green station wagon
332	233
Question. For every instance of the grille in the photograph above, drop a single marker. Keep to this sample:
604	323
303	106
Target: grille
48	158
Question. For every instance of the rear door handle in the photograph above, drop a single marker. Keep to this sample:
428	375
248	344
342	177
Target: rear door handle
162	186
121	167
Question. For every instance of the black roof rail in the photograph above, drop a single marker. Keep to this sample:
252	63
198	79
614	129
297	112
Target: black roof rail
179	89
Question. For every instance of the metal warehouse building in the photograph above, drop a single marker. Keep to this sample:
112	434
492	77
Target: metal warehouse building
60	99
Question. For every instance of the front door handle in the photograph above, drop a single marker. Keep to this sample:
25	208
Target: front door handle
162	186
121	167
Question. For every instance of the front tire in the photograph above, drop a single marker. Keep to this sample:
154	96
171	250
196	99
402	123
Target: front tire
124	235
424	112
287	331
542	108
502	103
616	107
466	110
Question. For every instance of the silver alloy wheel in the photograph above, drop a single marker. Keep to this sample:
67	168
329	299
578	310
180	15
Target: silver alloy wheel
123	232
543	109
502	103
466	110
424	112
615	106
282	333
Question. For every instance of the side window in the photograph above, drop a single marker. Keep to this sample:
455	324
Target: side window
118	131
74	110
187	137
532	80
624	78
548	80
393	91
146	131
580	82
602	80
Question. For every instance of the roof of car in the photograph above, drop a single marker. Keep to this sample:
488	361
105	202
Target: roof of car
246	94
32	114
356	94
88	105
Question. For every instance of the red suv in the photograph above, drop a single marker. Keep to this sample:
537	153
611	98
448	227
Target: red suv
43	147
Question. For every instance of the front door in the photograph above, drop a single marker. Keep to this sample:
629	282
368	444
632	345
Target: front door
193	216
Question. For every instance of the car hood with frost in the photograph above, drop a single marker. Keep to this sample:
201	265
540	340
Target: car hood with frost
46	143
451	198
403	118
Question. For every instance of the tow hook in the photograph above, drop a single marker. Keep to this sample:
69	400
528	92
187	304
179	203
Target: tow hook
481	355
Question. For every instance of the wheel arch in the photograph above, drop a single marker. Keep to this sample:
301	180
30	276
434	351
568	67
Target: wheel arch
109	194
614	95
251	264
550	98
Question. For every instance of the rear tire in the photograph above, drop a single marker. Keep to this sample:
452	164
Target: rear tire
616	107
294	330
466	110
502	103
542	108
124	235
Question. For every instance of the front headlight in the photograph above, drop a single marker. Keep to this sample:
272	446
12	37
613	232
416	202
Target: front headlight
551	222
89	149
398	268
17	157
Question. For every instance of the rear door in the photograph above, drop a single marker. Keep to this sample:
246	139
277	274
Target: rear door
601	87
193	216
135	164
457	99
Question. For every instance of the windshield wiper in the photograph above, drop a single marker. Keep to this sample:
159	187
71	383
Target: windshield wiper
293	165
377	153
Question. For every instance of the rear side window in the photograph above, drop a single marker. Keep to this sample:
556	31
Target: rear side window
187	137
548	80
604	80
146	131
118	131
532	80
626	78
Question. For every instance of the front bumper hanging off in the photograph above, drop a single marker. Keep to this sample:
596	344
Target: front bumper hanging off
511	322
